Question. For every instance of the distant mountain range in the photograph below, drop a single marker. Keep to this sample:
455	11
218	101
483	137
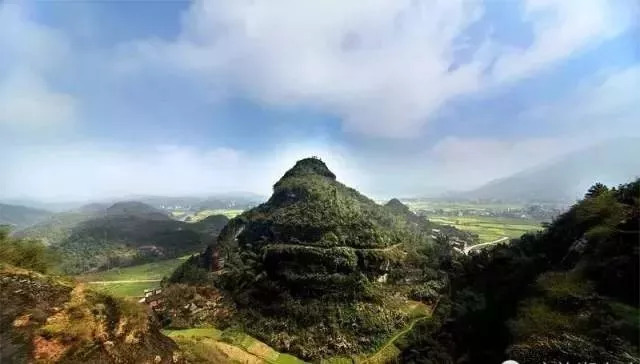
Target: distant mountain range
229	200
566	178
21	216
99	236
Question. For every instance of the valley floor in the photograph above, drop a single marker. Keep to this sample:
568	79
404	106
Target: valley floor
132	281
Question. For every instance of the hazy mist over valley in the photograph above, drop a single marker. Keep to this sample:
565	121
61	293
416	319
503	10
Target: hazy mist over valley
334	182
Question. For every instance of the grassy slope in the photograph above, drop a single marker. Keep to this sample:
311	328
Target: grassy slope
214	342
143	272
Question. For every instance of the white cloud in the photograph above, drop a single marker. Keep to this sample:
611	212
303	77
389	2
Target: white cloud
27	102
31	52
561	28
602	108
606	104
384	67
96	171
468	162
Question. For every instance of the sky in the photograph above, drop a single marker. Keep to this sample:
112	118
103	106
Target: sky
400	97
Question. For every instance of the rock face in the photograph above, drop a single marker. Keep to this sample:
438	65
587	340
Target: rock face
315	235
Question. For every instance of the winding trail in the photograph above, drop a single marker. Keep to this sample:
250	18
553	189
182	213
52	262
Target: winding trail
373	358
498	241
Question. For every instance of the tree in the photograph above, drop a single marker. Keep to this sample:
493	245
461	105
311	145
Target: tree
28	254
596	190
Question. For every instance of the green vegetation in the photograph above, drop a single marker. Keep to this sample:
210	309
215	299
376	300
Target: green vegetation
227	346
489	228
455	206
210	332
126	233
21	216
45	319
203	214
124	289
320	270
154	270
24	253
567	293
132	281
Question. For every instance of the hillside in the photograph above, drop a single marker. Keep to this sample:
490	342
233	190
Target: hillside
20	216
319	269
47	319
564	179
122	234
569	293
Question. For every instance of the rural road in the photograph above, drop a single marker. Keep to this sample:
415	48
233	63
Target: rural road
470	248
127	281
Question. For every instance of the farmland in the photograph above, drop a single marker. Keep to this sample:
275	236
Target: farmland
489	228
489	221
132	281
195	216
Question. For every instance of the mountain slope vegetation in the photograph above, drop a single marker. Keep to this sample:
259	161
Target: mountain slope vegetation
567	294
48	319
319	269
122	234
21	216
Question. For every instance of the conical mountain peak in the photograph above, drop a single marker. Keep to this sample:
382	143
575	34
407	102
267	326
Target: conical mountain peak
309	166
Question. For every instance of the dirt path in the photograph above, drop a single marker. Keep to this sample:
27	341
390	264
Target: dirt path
498	241
127	281
373	360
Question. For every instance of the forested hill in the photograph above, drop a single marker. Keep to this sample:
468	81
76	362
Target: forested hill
20	216
567	294
124	233
321	270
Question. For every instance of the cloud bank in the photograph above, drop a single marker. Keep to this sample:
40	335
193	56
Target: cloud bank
384	67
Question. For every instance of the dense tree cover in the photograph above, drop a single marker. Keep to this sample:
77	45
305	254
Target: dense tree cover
569	293
123	234
25	253
321	270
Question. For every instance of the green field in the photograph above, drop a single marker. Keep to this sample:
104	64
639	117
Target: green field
200	215
489	228
132	281
247	348
203	214
210	332
450	206
153	270
129	289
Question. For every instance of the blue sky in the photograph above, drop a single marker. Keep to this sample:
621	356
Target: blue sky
104	98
